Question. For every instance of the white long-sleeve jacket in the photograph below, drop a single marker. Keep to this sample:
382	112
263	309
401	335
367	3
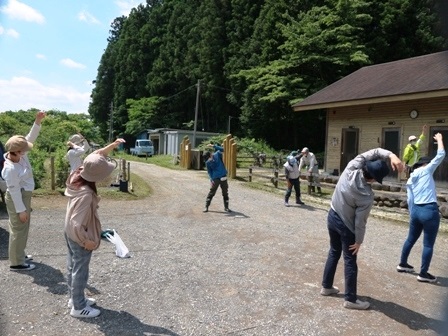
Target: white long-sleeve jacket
74	155
20	175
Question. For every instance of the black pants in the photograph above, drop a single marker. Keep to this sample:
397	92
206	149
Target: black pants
214	187
293	183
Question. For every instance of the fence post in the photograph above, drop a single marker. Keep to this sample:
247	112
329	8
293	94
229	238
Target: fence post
310	182
250	174
276	178
53	179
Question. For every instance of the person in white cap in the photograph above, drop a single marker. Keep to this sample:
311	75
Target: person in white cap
412	150
309	161
18	174
77	146
83	227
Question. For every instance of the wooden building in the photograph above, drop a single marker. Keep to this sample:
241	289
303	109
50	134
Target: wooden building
381	106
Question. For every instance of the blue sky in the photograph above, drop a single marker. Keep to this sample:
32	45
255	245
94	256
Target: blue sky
50	51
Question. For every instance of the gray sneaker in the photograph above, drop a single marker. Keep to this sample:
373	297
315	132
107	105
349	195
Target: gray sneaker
359	305
89	302
329	291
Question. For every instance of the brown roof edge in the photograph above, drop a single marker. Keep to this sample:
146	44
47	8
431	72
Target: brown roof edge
377	100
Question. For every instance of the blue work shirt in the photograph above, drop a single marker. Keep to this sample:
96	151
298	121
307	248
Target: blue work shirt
420	185
215	165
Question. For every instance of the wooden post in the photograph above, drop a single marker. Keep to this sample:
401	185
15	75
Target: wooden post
53	173
250	174
124	174
276	178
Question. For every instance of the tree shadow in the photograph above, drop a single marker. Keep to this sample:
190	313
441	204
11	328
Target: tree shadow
121	323
410	318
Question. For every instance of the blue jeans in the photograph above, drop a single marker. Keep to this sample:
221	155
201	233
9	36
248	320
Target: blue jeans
426	218
78	260
340	239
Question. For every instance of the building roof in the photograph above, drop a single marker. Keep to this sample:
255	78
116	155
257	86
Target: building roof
412	78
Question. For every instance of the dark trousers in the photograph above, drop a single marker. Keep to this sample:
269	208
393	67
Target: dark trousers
426	218
293	183
340	240
214	187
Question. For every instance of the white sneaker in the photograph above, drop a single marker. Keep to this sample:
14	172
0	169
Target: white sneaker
329	291
85	312
360	305
89	301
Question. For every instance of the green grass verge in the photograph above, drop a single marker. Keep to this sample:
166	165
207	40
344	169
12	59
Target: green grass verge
141	189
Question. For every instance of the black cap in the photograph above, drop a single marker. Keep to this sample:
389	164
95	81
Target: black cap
378	169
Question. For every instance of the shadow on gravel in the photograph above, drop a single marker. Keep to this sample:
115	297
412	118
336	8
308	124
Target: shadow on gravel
442	282
403	315
233	213
4	243
52	278
121	323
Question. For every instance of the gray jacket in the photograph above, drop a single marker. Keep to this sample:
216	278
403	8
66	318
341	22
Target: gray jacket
353	196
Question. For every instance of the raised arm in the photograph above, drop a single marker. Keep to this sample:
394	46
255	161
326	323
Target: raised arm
108	148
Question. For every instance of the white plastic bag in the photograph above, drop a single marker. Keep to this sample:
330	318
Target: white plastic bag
120	248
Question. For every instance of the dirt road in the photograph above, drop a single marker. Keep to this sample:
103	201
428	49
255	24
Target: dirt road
255	271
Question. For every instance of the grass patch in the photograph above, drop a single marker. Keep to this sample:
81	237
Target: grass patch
166	161
141	189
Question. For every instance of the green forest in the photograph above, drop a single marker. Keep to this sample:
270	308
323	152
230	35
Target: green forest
250	60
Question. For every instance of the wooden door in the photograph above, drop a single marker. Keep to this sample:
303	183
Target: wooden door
349	145
391	141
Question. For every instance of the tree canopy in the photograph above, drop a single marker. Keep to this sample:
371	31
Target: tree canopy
252	58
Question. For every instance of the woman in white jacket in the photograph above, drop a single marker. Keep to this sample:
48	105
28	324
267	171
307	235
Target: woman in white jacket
77	147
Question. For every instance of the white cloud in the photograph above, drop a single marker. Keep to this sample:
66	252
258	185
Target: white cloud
87	17
125	6
23	93
40	56
19	11
72	64
9	32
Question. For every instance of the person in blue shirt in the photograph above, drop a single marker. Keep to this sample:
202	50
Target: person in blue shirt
218	176
423	211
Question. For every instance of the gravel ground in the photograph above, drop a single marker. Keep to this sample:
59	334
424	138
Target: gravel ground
255	271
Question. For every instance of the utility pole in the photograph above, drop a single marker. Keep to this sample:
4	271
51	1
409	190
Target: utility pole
111	106
198	93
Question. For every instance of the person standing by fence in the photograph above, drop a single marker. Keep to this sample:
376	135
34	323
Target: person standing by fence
292	176
218	176
309	161
18	174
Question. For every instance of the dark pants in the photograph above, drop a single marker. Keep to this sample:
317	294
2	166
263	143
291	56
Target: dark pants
293	183
214	187
340	239
426	218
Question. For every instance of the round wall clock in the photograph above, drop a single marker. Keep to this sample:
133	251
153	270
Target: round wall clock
413	114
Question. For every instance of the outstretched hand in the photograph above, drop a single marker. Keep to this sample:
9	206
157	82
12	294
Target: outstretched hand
117	142
396	163
39	116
